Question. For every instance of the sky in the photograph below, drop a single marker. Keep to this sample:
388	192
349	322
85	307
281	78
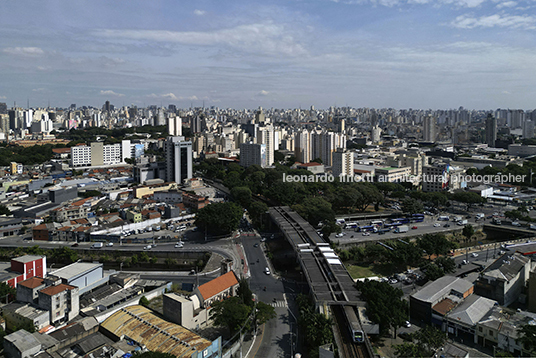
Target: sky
427	54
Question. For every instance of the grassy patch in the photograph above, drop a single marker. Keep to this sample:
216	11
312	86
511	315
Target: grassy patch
381	270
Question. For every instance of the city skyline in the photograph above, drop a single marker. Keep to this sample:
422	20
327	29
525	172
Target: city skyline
283	54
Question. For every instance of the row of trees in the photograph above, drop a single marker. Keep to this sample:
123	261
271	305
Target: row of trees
425	343
315	326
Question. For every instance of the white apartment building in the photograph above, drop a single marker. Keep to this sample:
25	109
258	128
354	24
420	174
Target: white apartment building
99	154
442	177
343	163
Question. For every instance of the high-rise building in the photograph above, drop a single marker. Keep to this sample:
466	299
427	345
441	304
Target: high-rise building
343	163
376	134
178	159
528	129
107	106
429	129
491	130
3	108
302	147
253	154
265	135
174	126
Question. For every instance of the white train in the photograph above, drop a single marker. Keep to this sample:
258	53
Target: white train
353	324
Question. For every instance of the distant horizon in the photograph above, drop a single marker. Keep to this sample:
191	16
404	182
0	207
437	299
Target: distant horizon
165	106
271	53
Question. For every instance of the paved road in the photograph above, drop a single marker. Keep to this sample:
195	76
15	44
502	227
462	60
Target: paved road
276	337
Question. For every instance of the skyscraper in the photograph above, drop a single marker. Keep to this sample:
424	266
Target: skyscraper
302	149
265	135
491	130
178	159
429	129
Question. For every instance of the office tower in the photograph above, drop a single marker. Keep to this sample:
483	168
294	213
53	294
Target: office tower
14	121
3	108
302	149
107	106
253	154
172	108
491	130
343	163
178	159
27	119
4	123
197	124
265	135
174	126
429	129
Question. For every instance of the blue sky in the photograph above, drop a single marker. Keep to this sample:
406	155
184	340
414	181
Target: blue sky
437	54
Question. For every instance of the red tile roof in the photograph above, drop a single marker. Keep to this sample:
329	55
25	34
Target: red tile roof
54	290
218	285
32	282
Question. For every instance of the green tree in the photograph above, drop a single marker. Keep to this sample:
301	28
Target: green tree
433	271
527	335
264	313
244	292
7	293
230	313
431	338
412	206
219	218
4	210
435	244
257	210
384	304
468	198
410	350
144	301
468	231
242	194
315	210
447	264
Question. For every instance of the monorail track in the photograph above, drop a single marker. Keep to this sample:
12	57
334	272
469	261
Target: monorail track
347	348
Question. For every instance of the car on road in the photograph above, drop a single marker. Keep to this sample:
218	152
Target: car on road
407	324
263	239
465	262
366	233
148	247
414	227
474	254
179	245
393	281
437	225
267	270
75	244
446	225
339	234
256	245
516	223
110	244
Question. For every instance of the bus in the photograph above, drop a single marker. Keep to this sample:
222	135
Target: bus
376	222
389	226
350	226
401	220
356	332
417	216
366	228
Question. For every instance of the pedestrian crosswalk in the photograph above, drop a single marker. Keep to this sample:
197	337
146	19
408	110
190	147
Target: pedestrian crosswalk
279	304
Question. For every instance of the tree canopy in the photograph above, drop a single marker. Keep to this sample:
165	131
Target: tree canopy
219	218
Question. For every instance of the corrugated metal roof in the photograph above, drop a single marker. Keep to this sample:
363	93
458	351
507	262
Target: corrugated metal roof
141	325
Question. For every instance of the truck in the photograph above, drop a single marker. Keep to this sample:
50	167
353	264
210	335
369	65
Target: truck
480	216
97	245
443	218
462	222
457	219
402	228
532	226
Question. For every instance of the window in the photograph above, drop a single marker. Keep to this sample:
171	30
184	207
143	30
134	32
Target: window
480	329
491	332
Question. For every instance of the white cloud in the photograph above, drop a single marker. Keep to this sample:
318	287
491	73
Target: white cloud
172	96
111	93
3	97
264	38
39	90
199	12
510	21
506	4
24	51
263	93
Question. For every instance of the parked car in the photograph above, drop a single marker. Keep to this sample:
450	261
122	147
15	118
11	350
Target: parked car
414	227
75	244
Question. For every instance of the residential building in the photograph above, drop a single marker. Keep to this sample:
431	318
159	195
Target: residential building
343	163
442	177
393	175
60	300
253	154
429	129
